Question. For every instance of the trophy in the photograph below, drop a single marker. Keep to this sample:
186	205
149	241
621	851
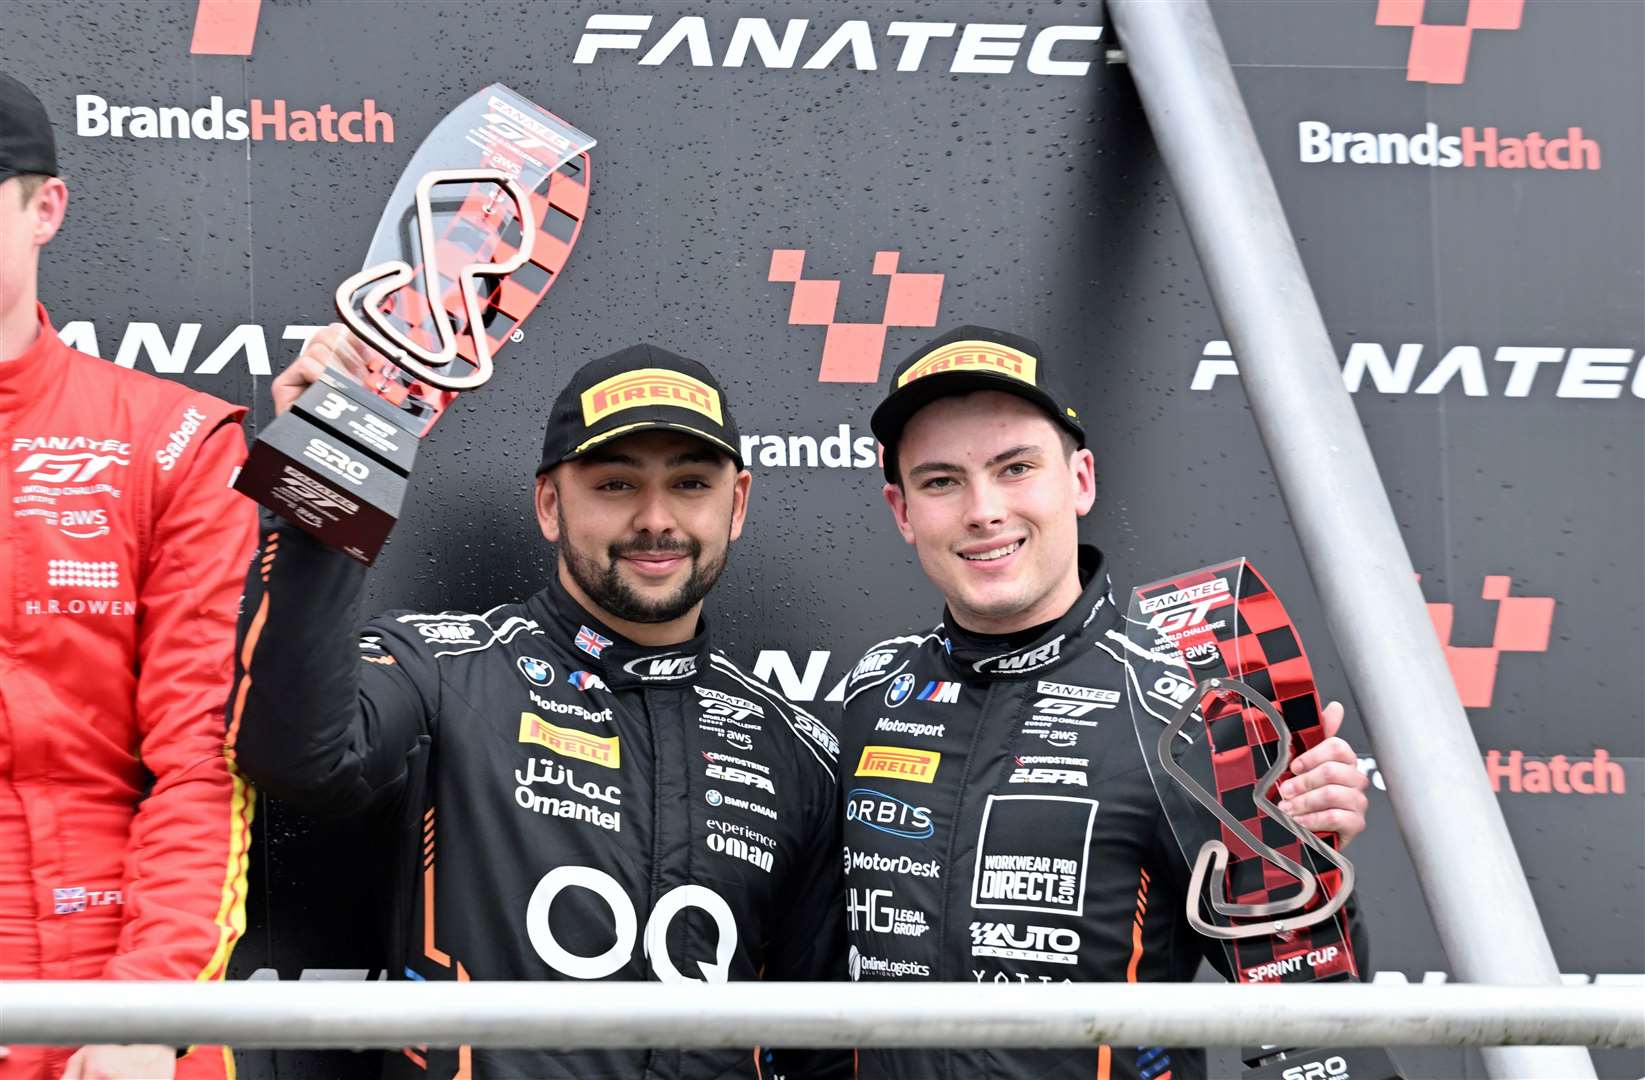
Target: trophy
477	230
1223	699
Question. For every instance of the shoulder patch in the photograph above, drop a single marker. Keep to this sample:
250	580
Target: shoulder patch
884	661
454	633
812	733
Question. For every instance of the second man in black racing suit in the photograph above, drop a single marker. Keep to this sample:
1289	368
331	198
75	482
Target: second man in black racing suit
1001	825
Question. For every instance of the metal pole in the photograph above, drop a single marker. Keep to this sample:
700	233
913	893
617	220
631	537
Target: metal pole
1465	860
604	1014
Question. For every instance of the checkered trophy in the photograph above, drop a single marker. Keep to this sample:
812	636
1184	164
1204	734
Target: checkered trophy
1223	699
478	229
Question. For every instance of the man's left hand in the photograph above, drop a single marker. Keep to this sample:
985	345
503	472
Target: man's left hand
1326	792
122	1063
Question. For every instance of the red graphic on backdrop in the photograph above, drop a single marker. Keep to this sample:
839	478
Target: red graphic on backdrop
225	27
1439	53
1522	625
852	351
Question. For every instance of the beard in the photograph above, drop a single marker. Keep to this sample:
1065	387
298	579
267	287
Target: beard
611	593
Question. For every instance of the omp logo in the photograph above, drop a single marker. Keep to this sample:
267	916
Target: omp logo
1515	371
852	351
1439	53
1522	625
982	48
649	386
67	468
567	742
965	355
899	763
225	27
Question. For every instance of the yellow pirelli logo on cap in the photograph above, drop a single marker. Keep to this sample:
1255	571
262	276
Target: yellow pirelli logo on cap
649	386
899	763
973	356
569	743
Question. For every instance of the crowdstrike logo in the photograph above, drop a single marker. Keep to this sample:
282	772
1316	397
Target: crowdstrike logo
276	121
1438	56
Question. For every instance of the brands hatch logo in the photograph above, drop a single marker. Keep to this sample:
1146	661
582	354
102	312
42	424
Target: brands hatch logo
1439	56
852	352
1439	53
1522	625
95	117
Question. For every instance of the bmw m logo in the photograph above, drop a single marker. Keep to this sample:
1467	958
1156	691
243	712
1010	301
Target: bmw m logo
535	670
899	690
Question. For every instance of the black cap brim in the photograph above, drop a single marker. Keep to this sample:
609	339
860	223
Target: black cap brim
895	411
635	427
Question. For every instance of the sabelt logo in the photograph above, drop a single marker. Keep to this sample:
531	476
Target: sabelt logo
649	386
899	763
594	749
95	117
971	356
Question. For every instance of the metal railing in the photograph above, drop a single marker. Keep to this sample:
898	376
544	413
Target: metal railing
890	1014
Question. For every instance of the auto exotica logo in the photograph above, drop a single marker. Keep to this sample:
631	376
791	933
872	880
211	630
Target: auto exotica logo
1439	56
852	352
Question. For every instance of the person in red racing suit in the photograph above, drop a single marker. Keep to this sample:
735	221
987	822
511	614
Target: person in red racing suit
1001	826
123	827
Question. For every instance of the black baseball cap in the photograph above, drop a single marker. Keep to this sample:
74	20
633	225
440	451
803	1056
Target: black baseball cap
964	360
26	143
640	388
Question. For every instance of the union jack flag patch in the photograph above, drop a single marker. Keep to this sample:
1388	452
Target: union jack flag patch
69	900
590	642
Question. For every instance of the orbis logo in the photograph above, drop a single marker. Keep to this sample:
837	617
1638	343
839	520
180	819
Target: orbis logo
888	814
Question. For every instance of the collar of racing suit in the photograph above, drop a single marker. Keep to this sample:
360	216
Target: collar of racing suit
1092	615
22	377
615	659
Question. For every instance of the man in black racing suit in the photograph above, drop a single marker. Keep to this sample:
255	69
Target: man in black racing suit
580	787
1001	826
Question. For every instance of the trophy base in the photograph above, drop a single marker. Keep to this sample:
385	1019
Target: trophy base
335	466
1358	1063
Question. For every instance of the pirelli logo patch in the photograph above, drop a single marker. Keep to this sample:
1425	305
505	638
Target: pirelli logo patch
899	763
649	386
595	749
974	356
